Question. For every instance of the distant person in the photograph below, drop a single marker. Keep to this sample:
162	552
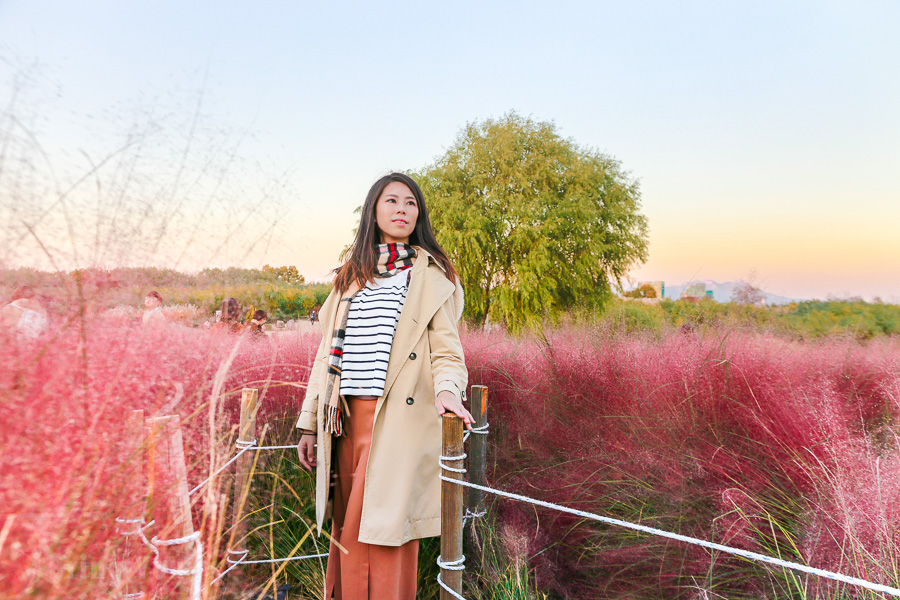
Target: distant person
24	313
255	327
313	316
153	314
230	321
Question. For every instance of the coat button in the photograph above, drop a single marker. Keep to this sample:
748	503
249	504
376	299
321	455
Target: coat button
410	401
412	356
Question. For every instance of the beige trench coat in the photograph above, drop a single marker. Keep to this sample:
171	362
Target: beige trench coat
402	487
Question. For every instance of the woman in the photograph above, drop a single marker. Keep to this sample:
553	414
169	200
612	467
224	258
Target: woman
231	317
153	314
389	363
255	327
24	314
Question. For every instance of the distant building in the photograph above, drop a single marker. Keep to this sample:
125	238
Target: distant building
709	294
658	286
694	290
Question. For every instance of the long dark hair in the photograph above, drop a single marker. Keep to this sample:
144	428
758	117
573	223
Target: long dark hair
362	255
231	310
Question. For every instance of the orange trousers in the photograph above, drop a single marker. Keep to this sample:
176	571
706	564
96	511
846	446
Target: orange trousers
367	571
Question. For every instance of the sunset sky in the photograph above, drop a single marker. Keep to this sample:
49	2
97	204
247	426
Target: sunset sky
765	135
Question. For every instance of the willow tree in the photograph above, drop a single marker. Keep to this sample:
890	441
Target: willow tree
535	223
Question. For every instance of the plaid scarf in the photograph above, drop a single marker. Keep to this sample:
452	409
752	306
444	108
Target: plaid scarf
392	259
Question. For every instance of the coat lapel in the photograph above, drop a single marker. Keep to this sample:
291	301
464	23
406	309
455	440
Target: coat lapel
428	290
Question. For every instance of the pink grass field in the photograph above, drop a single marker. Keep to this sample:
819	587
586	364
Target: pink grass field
775	446
64	476
778	447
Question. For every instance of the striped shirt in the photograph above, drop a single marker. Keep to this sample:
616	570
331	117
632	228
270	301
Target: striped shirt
371	323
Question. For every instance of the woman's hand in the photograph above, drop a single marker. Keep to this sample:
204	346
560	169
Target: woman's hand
306	449
448	401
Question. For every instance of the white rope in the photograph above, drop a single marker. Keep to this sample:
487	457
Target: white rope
243	555
139	531
251	445
451	565
219	470
233	563
480	430
643	528
472	515
442	458
877	587
444	585
196	572
242	447
458	564
279	560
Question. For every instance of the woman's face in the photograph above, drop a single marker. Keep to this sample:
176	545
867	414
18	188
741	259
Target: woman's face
151	302
395	213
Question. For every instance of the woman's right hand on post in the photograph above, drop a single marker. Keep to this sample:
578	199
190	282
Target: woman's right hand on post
306	449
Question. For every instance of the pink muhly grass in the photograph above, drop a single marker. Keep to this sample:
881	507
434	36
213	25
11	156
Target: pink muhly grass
775	446
750	440
64	476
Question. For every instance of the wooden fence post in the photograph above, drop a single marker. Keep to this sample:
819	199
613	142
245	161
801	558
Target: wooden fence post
129	553
478	448
451	504
170	502
243	468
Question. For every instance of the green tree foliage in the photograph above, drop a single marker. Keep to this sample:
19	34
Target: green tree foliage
644	291
280	291
534	223
863	320
286	274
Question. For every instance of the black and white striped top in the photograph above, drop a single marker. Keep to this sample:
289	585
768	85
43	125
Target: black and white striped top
371	323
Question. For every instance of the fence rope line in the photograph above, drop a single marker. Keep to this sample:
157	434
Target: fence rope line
480	430
154	543
280	560
454	458
196	572
877	587
472	515
233	563
242	561
140	526
139	531
219	470
451	565
242	447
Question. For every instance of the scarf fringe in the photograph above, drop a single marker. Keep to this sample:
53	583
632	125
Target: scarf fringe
334	420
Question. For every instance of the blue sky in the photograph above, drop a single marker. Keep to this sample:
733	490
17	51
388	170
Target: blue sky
765	135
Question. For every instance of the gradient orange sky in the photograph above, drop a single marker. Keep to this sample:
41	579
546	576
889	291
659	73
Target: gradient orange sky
764	135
